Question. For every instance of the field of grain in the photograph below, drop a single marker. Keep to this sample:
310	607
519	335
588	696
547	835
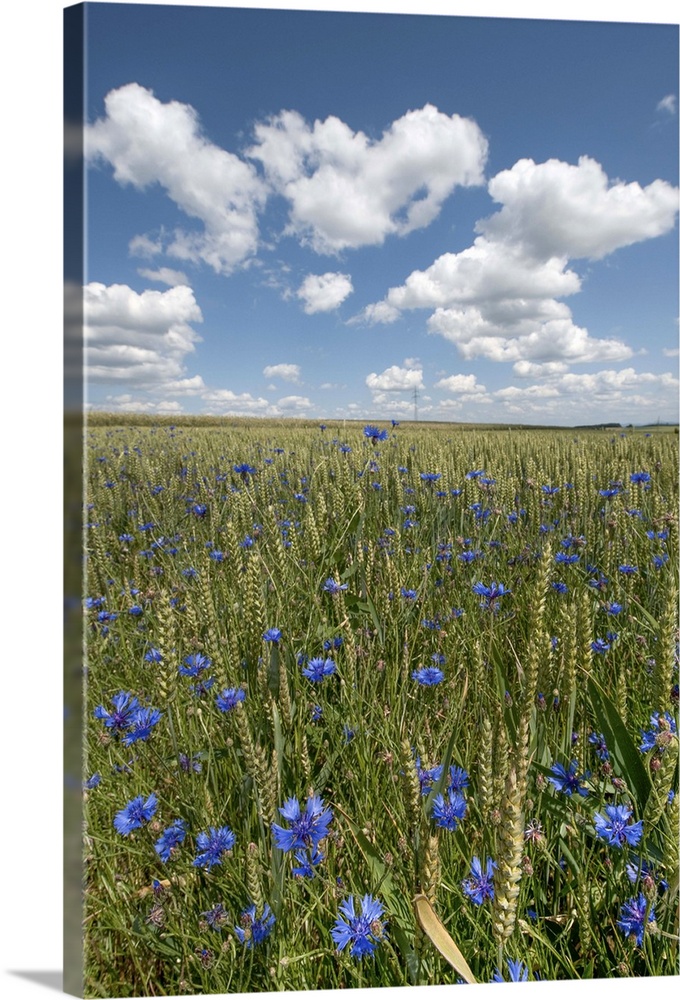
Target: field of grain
378	705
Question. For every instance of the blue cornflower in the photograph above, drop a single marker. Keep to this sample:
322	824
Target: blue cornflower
627	569
142	723
93	781
479	885
213	845
317	712
474	474
646	875
566	780
135	814
600	646
374	433
170	839
198	510
244	470
217	917
491	593
660	560
153	655
253	929
615	829
136	611
194	665
447	811
550	490
318	668
272	635
307	862
427	776
363	931
126	538
409	595
608	494
332	587
125	707
612	608
598	741
566	558
656	737
634	917
640	477
519	972
428	676
188	763
307	828
229	699
559	587
202	687
458	778
430	477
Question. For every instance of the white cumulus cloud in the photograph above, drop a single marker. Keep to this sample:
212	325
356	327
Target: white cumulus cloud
347	190
460	383
289	373
294	403
500	298
164	275
149	142
395	379
624	395
324	292
558	209
141	337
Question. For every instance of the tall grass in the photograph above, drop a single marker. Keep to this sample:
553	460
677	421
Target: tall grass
201	540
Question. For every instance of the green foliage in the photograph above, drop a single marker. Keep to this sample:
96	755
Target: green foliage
190	557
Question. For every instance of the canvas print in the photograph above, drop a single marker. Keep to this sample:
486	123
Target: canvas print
377	316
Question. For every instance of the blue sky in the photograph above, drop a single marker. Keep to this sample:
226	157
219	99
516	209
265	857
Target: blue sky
320	214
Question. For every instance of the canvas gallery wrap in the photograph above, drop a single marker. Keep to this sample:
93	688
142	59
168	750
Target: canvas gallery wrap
371	391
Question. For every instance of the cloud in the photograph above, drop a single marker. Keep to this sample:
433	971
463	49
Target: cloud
126	403
530	369
556	209
144	246
294	403
290	373
499	298
138	337
324	292
671	352
550	341
165	275
465	384
227	402
347	190
611	394
395	379
149	142
669	104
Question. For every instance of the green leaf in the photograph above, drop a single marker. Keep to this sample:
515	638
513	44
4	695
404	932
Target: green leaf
624	753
